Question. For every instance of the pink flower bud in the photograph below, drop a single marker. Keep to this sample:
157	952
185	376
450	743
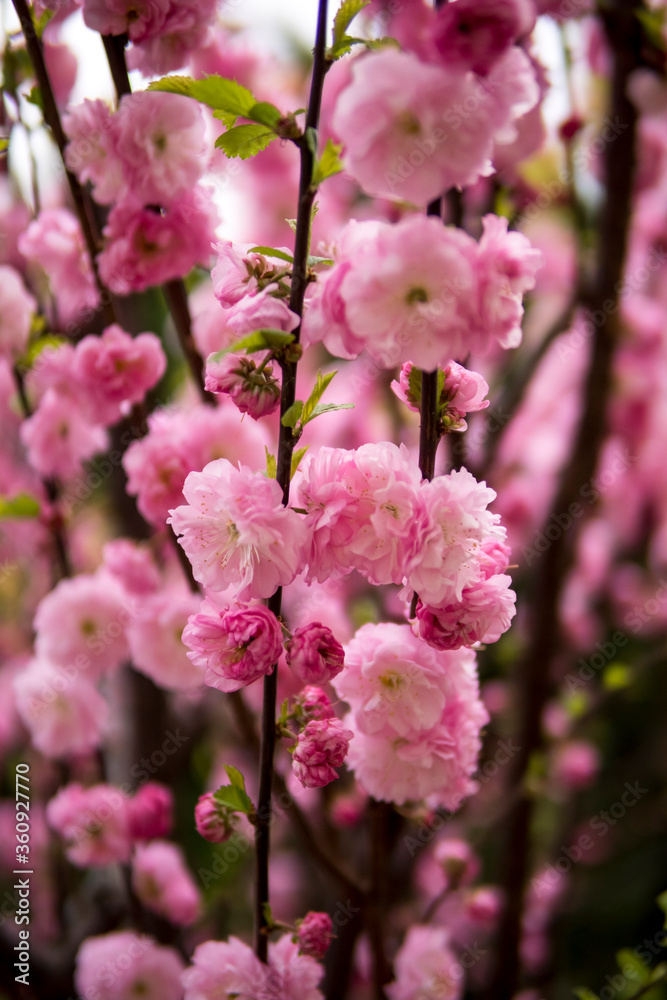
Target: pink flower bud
212	819
314	654
576	764
253	390
321	747
236	646
150	812
315	703
314	934
458	860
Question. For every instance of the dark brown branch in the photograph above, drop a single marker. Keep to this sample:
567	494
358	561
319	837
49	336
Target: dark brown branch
622	26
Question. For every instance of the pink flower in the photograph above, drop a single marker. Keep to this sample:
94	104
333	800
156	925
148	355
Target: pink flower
224	969
118	369
315	703
314	934
506	268
123	964
91	152
178	443
16	309
131	565
235	646
81	624
238	273
314	654
261	311
212	819
236	531
461	392
62	711
575	764
118	17
55	242
147	246
161	140
151	812
458	861
425	966
154	638
416	716
252	391
321	747
93	822
458	523
483	614
163	883
470	34
59	436
184	32
291	975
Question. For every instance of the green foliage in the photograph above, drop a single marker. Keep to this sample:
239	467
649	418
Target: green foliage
21	505
244	141
4	144
345	14
585	994
271	464
258	340
296	459
234	795
329	164
273	252
321	384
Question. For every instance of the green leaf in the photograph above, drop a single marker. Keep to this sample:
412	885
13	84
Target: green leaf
653	22
640	971
271	465
328	164
244	140
218	92
414	392
584	993
292	224
35	97
320	387
258	340
235	776
330	407
296	459
42	22
19	506
235	799
616	676
4	144
265	114
320	260
291	417
345	14
273	252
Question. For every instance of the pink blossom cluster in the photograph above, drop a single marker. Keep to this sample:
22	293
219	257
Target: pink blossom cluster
231	968
417	122
252	389
84	389
124	964
164	33
146	160
462	392
422	292
416	716
320	748
17	307
251	289
426	966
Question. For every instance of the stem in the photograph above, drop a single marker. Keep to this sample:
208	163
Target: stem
622	27
83	203
376	903
284	467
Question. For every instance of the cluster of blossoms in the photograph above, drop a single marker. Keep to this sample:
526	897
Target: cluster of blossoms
461	392
84	389
422	292
146	159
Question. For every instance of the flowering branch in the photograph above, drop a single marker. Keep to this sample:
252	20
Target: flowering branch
284	467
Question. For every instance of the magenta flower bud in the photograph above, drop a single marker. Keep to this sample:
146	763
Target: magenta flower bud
236	646
314	934
314	654
321	747
252	390
212	819
150	812
316	703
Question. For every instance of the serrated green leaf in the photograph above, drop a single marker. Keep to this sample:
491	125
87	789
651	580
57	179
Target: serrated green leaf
258	340
234	798
583	993
379	43
265	114
329	408
216	91
414	392
19	506
273	252
627	958
271	464
244	140
329	164
341	48
345	14
291	417
296	459
235	777
320	387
